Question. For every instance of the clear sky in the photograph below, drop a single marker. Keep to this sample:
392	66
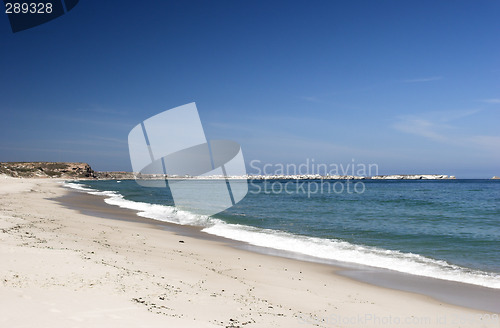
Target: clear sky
413	86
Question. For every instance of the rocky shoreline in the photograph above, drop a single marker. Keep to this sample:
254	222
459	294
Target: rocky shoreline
132	176
63	170
70	170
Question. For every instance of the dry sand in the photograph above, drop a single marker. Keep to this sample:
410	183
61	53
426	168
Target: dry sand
62	268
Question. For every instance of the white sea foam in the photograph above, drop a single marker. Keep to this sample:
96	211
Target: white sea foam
351	253
151	211
77	186
317	247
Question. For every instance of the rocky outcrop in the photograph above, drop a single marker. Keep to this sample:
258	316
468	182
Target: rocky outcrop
63	170
129	175
115	175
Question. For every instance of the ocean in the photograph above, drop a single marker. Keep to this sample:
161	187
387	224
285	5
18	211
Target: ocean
446	229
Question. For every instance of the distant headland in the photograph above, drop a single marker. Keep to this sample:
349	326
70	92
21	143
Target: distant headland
71	170
64	170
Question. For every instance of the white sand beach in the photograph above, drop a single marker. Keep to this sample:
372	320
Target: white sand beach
62	268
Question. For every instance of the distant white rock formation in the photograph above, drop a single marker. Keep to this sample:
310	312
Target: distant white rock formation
413	177
314	177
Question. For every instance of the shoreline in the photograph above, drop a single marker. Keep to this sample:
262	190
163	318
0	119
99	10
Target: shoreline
76	262
451	292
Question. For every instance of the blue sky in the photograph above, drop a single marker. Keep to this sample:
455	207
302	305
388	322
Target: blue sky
413	86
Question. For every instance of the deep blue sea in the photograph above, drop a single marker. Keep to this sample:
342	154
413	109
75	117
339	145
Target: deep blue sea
448	229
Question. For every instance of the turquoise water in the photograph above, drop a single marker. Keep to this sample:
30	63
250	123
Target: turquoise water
445	229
